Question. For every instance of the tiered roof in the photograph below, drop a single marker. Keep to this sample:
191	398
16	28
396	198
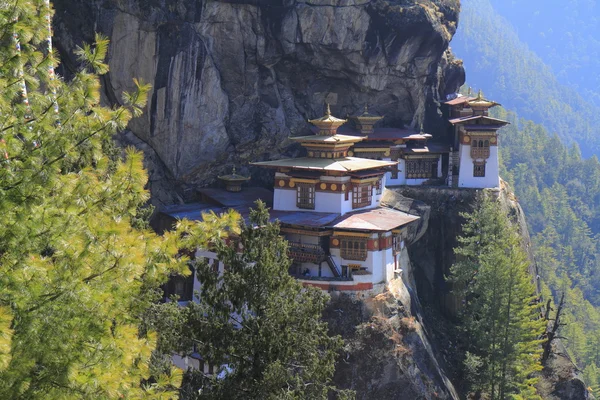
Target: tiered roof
327	150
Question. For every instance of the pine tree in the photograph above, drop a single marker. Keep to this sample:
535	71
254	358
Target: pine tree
500	311
255	323
75	275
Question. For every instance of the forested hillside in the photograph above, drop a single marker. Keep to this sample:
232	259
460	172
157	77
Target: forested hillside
540	61
564	34
497	61
560	193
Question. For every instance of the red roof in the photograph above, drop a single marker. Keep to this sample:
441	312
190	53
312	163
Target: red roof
478	117
379	219
460	100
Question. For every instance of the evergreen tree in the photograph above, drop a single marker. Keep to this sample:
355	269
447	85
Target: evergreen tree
500	314
259	326
75	275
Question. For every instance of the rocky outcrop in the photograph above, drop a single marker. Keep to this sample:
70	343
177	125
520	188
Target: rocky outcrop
433	254
388	353
233	79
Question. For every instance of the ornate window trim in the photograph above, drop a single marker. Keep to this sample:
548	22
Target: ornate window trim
479	169
397	241
480	147
362	195
305	196
422	168
379	187
182	286
353	248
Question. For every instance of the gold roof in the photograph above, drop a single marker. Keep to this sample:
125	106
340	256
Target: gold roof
344	164
367	117
327	124
234	177
481	102
334	139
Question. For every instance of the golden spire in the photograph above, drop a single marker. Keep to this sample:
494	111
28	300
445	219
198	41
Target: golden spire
480	102
327	124
365	121
233	182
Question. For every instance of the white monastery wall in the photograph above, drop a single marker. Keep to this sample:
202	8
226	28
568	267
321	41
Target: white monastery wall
285	200
465	174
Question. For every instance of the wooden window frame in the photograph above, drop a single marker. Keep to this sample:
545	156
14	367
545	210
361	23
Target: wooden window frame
480	147
354	248
479	169
421	168
362	195
397	239
305	196
379	187
182	286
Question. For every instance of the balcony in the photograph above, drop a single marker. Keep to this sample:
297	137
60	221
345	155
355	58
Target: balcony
480	152
359	254
303	252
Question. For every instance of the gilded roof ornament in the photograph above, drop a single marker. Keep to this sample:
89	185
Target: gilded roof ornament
366	117
234	177
481	102
327	124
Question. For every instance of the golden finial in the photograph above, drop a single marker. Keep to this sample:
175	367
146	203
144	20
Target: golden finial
327	124
470	91
366	108
233	172
480	95
421	128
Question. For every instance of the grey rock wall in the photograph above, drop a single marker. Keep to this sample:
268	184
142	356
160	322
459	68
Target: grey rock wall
232	80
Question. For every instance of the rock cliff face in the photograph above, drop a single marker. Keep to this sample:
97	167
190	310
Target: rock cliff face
233	79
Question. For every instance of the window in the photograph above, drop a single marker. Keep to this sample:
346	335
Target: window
395	173
361	196
479	169
353	248
180	286
305	196
480	148
379	187
397	242
421	168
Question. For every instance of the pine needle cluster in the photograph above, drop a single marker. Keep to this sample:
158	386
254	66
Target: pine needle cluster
74	272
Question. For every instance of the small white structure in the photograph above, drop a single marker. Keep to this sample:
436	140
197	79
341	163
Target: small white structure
474	162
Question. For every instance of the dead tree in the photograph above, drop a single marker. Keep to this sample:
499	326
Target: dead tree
552	329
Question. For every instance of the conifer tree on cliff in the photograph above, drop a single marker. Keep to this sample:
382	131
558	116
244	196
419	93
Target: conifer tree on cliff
257	320
500	315
73	267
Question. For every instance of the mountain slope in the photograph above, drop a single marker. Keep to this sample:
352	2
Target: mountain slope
564	34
